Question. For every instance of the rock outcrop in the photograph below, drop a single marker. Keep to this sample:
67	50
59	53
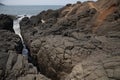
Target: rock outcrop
6	22
77	42
13	65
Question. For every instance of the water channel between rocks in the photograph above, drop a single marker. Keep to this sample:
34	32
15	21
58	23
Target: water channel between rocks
16	27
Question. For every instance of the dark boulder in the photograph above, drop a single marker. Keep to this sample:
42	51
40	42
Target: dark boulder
10	41
25	21
6	22
35	20
78	2
48	14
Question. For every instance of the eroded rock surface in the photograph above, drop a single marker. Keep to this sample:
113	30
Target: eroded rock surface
77	42
13	65
6	22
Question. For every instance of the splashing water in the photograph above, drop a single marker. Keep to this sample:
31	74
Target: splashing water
17	30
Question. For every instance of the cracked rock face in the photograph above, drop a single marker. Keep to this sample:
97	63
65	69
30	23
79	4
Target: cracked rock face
10	46
77	42
14	66
18	68
96	70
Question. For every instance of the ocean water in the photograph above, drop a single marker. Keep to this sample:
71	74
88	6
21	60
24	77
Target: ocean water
26	10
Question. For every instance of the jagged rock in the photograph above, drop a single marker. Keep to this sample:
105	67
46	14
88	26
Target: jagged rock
73	44
26	21
6	22
8	42
13	65
18	68
106	69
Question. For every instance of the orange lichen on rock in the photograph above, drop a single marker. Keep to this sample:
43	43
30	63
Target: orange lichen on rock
102	15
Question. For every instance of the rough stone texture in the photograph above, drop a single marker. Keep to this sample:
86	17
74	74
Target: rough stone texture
6	22
33	77
77	42
14	66
8	42
18	68
106	69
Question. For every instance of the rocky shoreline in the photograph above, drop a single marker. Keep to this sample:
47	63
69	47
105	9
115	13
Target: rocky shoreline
13	65
77	42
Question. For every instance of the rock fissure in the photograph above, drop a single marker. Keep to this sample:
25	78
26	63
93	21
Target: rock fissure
13	64
66	48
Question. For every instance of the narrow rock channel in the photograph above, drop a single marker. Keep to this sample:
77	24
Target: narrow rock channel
25	50
17	30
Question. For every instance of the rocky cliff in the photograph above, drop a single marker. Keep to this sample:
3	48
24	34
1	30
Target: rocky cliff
77	42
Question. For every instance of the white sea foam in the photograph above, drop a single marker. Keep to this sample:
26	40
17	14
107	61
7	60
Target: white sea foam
17	30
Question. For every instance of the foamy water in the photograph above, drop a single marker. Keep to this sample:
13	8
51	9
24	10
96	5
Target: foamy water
17	30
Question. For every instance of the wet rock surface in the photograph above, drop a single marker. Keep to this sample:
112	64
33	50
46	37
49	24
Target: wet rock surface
77	42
